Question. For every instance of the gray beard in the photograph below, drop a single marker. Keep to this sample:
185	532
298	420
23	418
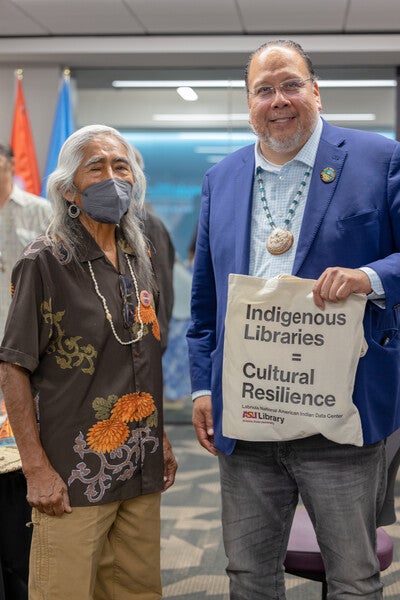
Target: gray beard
290	144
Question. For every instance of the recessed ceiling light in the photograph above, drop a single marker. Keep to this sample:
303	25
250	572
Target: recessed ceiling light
187	93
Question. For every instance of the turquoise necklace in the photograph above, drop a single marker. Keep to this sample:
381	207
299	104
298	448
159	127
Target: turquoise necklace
281	239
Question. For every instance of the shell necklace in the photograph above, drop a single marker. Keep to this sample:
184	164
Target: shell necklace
281	239
107	312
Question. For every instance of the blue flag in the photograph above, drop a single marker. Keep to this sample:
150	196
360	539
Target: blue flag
63	126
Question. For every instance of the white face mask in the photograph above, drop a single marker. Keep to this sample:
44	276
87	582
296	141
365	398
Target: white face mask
107	201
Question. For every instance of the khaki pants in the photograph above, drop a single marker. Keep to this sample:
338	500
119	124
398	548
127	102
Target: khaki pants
106	552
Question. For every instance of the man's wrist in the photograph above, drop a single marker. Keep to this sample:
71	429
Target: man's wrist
200	393
376	283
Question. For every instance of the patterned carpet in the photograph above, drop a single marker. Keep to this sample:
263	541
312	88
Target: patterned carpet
192	555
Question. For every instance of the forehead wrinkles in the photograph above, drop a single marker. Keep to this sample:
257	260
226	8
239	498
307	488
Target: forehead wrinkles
104	159
277	63
102	145
103	151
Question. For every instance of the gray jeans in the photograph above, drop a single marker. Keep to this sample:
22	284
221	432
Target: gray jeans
342	487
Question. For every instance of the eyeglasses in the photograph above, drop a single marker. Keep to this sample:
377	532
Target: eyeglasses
287	88
129	308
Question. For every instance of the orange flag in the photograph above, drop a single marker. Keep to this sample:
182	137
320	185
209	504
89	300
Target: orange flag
26	166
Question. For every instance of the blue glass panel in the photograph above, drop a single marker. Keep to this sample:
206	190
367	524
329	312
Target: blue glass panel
175	163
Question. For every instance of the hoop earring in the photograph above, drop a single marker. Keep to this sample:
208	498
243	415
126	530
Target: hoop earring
73	211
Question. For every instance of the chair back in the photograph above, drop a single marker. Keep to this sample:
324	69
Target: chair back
387	516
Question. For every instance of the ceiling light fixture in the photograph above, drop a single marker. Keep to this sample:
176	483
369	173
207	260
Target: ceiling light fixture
239	83
201	117
349	117
202	83
196	118
187	93
356	83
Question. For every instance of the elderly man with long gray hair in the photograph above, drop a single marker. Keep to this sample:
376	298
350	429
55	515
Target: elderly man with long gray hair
81	376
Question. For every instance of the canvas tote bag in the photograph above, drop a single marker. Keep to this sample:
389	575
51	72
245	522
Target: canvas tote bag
289	367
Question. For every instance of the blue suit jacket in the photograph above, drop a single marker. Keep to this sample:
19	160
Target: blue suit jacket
351	222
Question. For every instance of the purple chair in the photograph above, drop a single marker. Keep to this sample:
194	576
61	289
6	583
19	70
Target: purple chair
303	557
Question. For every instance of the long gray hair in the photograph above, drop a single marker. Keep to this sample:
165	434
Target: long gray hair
63	229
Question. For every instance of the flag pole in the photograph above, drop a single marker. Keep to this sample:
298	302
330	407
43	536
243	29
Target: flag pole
63	126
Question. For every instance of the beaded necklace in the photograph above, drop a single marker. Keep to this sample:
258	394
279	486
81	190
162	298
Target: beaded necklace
281	239
107	312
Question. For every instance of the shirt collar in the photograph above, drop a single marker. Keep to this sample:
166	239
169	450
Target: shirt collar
90	250
306	154
18	196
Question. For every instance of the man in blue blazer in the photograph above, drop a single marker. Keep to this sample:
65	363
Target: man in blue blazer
319	202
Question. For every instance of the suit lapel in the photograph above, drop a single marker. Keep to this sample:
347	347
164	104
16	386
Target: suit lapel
242	203
320	195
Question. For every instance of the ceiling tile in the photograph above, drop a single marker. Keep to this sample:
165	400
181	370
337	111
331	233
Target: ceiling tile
263	17
183	16
13	21
290	16
368	15
79	17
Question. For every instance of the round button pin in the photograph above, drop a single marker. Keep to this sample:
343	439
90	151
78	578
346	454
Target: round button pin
328	174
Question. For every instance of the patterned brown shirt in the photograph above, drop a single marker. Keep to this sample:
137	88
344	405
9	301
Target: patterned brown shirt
98	402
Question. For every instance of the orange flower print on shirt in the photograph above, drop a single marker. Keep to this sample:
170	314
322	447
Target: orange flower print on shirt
111	432
107	435
133	407
156	330
146	405
147	313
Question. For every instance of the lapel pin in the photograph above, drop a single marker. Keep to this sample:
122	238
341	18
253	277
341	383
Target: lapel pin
328	174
